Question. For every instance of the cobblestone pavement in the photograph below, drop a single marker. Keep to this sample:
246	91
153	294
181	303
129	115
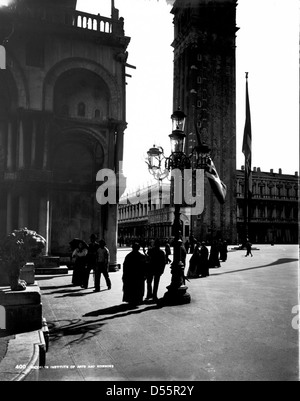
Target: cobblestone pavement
237	327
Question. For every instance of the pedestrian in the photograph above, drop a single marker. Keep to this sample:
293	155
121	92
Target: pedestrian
193	243
203	262
155	269
102	266
193	271
91	259
168	251
183	253
134	273
187	246
223	251
214	255
248	248
79	254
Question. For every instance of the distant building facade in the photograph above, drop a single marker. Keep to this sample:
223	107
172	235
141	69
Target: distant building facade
273	207
62	119
274	212
148	214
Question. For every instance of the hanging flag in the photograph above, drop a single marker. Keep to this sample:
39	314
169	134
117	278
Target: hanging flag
218	187
247	143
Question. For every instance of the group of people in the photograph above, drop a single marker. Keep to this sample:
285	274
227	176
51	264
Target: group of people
202	260
139	268
94	256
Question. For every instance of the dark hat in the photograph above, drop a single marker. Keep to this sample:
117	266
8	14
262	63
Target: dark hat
136	246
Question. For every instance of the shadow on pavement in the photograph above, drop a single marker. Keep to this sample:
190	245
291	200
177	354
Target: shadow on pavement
88	329
276	263
75	327
121	311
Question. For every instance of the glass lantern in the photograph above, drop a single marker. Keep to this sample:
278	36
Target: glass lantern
178	136
155	155
177	141
178	120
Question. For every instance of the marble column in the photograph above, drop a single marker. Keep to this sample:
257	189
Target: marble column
33	144
44	221
2	143
23	211
111	236
46	145
9	161
21	146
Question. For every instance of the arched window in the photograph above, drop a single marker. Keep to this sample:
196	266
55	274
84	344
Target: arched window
81	109
97	114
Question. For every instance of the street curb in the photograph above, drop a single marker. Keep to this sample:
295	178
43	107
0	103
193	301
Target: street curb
24	353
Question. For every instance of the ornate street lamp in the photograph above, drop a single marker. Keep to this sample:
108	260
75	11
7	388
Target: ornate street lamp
159	166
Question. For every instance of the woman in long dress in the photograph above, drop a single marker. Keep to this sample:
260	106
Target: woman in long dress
193	271
134	274
79	254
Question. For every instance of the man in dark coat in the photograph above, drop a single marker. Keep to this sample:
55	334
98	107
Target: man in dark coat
134	276
223	251
155	268
91	259
102	266
248	248
203	261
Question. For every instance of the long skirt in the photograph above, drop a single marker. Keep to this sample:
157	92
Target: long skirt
78	273
133	291
192	271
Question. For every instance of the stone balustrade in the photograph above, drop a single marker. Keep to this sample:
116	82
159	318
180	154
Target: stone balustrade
77	19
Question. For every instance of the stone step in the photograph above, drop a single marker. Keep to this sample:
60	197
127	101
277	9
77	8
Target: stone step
47	261
43	271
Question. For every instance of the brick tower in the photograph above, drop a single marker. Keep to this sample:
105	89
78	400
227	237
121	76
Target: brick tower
205	89
62	119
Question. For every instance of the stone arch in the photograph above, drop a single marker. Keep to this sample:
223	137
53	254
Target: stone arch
80	137
83	64
20	83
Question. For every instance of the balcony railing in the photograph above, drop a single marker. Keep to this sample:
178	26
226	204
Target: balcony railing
77	19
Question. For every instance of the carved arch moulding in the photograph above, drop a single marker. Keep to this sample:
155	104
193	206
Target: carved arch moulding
82	64
20	85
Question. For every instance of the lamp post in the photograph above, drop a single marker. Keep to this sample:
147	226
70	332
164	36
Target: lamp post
160	166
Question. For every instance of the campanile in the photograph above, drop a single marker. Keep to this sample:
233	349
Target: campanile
205	89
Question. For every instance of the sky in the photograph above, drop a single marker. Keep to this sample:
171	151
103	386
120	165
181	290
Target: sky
267	47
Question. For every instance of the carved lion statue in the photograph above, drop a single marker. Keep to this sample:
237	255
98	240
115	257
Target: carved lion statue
16	249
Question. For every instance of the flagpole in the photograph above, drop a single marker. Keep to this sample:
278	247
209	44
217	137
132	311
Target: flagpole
247	150
246	218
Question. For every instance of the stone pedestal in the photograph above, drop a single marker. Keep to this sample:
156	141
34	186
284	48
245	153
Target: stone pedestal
177	296
49	265
27	273
23	309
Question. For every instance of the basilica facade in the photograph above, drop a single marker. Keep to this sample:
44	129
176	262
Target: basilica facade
62	119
